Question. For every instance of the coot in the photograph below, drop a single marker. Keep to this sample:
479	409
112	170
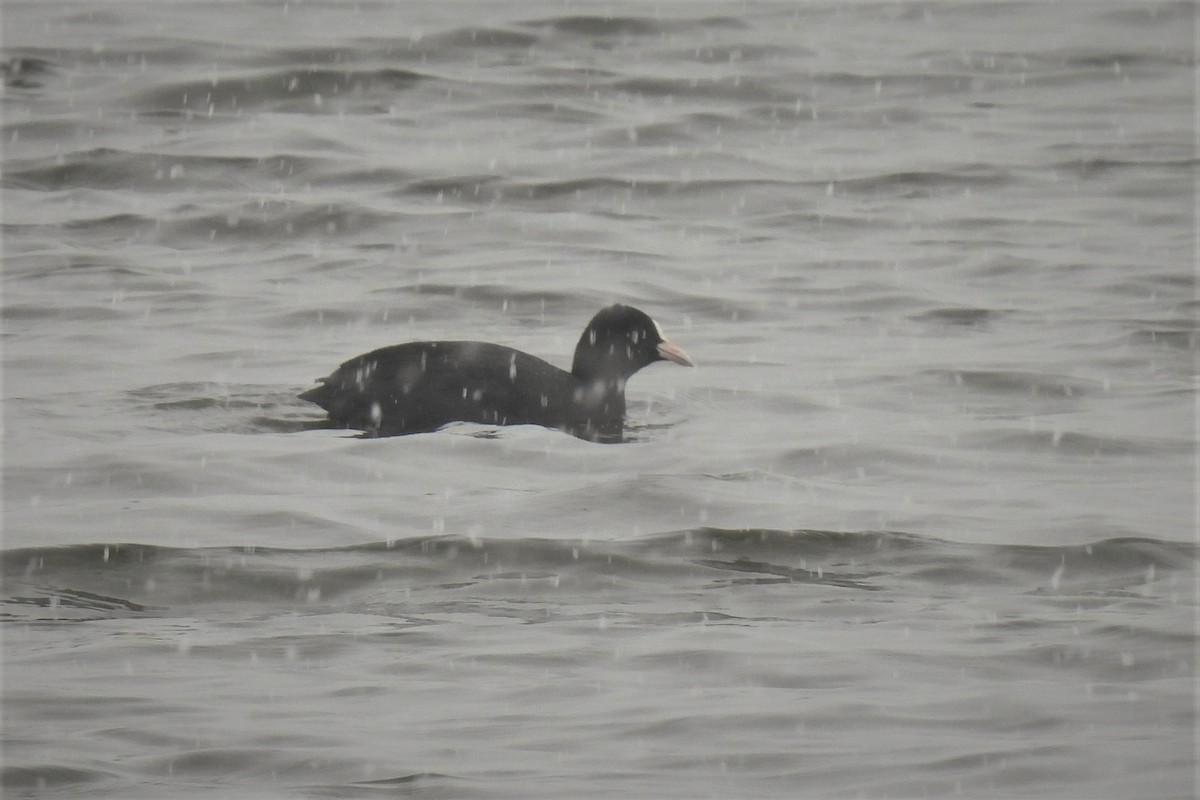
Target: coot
420	386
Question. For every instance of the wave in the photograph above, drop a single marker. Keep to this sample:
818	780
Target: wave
1017	382
959	316
1085	168
25	72
305	90
102	581
490	189
923	183
191	407
624	26
486	189
111	168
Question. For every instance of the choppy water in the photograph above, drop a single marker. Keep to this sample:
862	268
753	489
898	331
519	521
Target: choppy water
922	522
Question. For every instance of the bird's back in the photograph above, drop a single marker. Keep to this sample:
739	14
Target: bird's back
420	386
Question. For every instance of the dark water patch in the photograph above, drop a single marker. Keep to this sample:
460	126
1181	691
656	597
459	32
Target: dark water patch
865	119
563	112
779	574
80	272
192	408
406	780
813	220
628	26
316	317
1180	281
992	232
565	79
320	56
456	187
1151	14
736	89
1067	443
976	61
689	299
311	90
127	478
791	112
269	220
957	317
658	133
1184	335
898	84
1087	168
111	226
95	16
1007	265
1058	67
354	58
26	72
211	768
711	121
50	130
184	297
1017	383
574	187
34	780
160	55
21	312
641	188
68	705
847	461
51	604
735	52
194	396
596	26
865	299
490	189
783	403
132	580
108	168
477	37
1126	556
924	183
498	296
417	784
1116	61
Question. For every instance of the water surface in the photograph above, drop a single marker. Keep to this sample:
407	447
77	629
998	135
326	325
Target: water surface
921	522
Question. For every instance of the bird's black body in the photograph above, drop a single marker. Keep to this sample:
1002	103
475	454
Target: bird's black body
420	386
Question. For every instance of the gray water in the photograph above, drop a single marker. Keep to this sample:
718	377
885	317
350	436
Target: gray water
921	523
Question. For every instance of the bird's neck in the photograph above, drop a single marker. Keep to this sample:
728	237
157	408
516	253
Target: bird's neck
596	389
600	409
